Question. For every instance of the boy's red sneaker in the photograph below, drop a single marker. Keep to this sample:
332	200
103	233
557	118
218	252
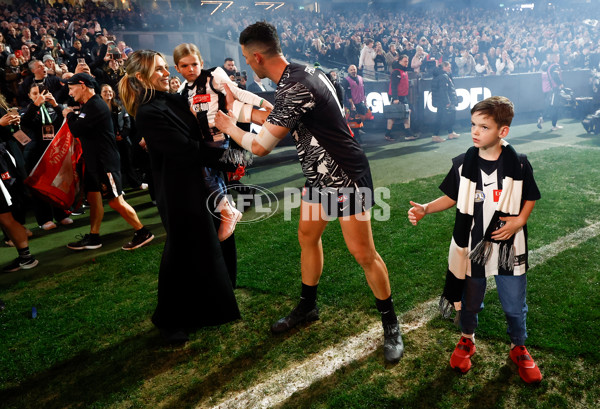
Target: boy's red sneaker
461	357
528	370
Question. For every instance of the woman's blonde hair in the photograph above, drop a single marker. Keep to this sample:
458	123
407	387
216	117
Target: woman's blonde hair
134	91
185	49
3	103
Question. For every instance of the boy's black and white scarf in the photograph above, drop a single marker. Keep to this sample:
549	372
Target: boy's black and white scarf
509	204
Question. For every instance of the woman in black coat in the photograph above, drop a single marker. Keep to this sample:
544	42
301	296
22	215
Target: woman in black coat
194	288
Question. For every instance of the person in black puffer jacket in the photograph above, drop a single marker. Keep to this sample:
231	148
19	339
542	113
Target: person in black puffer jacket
443	97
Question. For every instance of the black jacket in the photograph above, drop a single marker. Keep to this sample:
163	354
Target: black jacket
94	128
443	93
31	124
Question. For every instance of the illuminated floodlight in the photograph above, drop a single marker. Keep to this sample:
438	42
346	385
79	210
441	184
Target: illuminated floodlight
271	5
218	3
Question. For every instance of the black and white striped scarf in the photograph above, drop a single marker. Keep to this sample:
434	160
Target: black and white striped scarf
509	204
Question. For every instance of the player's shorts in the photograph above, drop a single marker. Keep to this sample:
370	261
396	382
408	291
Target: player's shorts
344	201
108	184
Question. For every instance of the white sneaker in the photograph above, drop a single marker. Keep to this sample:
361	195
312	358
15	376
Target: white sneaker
48	226
143	186
453	135
66	221
437	139
229	218
557	127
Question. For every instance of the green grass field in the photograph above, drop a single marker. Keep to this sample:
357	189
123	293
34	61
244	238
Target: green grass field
93	346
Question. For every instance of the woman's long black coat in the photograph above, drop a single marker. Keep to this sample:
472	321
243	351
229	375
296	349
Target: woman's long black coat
194	288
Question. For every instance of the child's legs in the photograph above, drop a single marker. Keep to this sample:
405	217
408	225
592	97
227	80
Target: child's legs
472	303
512	291
215	186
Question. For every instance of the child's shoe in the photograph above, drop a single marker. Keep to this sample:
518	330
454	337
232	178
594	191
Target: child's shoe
229	218
528	370
461	357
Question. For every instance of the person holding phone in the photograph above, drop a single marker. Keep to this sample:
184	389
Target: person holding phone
53	68
78	55
40	120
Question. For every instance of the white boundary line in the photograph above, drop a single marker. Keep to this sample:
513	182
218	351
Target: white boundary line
280	386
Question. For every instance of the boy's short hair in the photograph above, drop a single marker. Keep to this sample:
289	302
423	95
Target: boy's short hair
501	109
185	49
262	35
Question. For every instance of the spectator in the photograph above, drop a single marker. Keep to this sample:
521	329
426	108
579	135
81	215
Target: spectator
40	120
504	64
366	61
465	64
354	91
391	56
39	75
443	97
482	65
230	68
78	54
174	84
398	92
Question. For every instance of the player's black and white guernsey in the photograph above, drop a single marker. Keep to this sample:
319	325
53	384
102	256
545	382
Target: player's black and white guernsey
487	193
307	104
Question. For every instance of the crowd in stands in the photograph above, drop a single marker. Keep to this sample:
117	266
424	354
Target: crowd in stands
41	44
40	48
476	42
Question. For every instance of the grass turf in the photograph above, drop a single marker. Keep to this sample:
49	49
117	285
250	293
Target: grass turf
92	344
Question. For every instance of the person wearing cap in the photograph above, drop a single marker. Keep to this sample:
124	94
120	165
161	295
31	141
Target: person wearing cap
53	68
93	125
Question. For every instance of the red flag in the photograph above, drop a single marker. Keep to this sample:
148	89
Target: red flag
55	176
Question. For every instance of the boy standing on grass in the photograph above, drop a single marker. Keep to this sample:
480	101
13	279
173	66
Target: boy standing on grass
494	192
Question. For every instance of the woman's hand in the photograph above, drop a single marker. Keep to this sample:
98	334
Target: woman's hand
39	100
48	97
9	119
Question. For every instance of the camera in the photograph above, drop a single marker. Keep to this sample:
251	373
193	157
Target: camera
239	76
